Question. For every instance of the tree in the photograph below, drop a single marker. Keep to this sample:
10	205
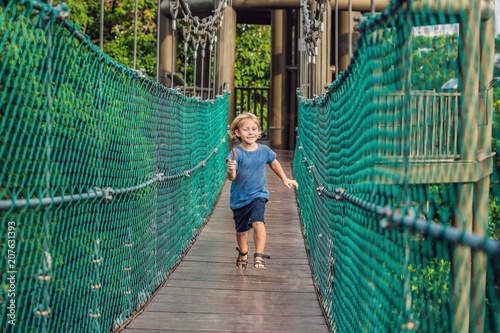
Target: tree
253	56
119	29
435	61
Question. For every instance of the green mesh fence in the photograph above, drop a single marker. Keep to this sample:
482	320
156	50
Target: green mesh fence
106	177
399	177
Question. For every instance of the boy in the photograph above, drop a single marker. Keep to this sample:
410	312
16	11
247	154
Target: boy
248	192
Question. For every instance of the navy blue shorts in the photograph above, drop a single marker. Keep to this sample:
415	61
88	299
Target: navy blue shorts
253	212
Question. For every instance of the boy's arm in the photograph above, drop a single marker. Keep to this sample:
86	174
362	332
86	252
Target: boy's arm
276	167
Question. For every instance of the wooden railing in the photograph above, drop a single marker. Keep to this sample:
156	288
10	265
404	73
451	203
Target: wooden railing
433	126
256	101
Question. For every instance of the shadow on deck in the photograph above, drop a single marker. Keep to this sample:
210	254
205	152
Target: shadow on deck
206	293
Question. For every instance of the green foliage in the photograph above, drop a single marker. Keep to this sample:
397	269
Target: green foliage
252	61
81	12
430	280
496	71
253	56
494	213
181	59
434	61
119	29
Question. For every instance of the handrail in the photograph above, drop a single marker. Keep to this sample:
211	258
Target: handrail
391	218
106	192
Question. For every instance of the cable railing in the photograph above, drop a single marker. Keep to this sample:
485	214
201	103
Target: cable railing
106	176
398	181
433	125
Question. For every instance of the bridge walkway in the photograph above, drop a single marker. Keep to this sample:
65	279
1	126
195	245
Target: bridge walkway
206	293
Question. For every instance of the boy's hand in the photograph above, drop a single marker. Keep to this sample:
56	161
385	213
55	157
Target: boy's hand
231	165
290	182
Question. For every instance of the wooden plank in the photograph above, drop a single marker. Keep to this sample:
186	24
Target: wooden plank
243	284
231	261
256	278
230	301
189	267
255	322
283	250
210	238
206	293
257	307
226	294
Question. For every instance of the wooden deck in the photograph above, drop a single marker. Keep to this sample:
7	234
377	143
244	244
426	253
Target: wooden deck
206	293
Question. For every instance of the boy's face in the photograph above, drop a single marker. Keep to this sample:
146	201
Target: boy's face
248	132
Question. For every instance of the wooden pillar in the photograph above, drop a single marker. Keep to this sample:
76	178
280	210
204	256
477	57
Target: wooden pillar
166	52
481	188
226	53
463	217
277	125
344	56
292	81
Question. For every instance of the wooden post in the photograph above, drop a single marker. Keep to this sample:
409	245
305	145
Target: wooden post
166	52
278	63
291	80
463	216
226	52
481	188
344	56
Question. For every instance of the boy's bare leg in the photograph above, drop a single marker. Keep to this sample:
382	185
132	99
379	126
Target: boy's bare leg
241	238
259	237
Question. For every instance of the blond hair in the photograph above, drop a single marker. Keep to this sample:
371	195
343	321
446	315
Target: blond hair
240	119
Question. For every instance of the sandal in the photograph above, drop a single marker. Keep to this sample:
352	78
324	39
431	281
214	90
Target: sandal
241	263
261	261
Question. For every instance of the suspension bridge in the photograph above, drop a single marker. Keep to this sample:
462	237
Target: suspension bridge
114	203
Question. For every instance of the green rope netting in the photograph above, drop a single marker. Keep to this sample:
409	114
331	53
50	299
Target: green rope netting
399	178
106	177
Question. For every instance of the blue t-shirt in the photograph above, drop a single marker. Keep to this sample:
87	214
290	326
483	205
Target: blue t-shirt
251	173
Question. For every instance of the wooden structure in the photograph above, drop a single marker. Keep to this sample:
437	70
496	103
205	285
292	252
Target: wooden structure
287	54
468	165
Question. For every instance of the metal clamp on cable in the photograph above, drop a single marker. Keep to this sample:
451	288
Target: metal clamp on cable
43	276
385	221
97	260
41	312
95	286
320	190
339	194
62	12
96	315
108	193
141	73
63	9
358	18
